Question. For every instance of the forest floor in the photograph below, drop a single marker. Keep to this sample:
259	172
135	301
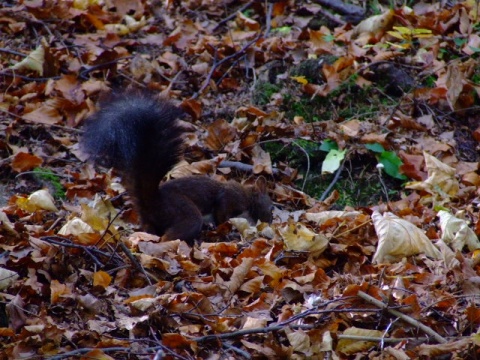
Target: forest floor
365	124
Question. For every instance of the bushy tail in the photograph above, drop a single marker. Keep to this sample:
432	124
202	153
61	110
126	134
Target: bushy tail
138	136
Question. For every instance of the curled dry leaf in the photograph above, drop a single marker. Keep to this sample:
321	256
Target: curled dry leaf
441	178
250	232
39	200
297	237
102	279
6	225
374	24
300	341
448	256
34	61
100	213
261	161
75	226
398	238
456	233
432	351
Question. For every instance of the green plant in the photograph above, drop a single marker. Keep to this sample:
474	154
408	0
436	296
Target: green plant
430	81
389	160
53	180
263	92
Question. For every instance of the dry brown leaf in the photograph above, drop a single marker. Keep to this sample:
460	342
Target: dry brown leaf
101	278
24	161
238	275
437	350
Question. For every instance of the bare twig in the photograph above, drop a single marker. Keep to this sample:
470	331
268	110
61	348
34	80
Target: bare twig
233	14
241	166
334	181
216	64
404	317
308	163
269	18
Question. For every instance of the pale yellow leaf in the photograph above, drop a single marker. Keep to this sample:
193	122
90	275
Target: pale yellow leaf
299	340
457	233
75	226
441	178
253	323
34	61
398	238
352	346
374	24
297	237
323	216
39	200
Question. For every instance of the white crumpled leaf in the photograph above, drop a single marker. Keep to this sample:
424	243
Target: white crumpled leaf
75	226
41	199
456	233
398	238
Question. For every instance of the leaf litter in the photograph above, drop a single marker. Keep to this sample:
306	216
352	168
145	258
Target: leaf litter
396	280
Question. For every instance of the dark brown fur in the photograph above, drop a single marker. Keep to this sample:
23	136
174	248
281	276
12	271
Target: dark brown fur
141	137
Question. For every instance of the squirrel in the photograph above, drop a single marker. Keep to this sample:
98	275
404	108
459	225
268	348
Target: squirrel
141	137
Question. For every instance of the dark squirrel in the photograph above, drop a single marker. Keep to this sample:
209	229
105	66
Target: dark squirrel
141	137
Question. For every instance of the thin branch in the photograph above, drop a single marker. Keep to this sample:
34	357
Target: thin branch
334	181
404	317
233	14
308	163
225	59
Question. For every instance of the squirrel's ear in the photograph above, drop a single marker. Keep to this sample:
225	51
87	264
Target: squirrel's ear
261	184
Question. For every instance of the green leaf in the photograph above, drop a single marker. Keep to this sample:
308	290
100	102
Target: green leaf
391	163
376	147
332	161
328	145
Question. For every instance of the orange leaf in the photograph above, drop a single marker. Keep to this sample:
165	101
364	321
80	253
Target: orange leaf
101	278
96	354
58	290
24	162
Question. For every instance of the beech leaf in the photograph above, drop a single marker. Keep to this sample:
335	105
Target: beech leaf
456	233
398	238
441	178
